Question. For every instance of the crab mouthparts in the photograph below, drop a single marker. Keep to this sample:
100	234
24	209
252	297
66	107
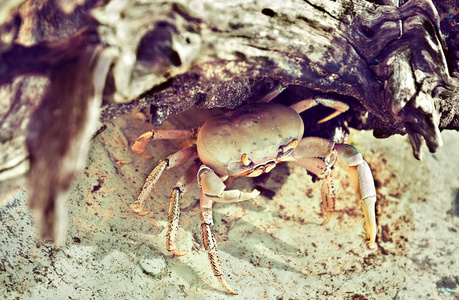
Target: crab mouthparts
265	168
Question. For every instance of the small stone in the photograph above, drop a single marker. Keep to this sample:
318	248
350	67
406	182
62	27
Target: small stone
153	266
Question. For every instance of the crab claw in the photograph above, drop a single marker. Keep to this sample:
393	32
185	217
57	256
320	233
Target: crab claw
141	143
364	187
368	205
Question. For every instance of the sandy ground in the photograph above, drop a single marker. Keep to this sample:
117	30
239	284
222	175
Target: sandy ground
272	247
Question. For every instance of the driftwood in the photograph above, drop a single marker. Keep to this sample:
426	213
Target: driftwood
66	65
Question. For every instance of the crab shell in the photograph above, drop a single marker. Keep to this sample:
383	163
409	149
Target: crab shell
258	130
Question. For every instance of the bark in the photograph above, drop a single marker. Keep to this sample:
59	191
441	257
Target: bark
393	62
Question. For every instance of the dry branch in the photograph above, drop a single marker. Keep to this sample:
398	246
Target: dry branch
389	60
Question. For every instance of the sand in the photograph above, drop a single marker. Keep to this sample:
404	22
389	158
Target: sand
272	247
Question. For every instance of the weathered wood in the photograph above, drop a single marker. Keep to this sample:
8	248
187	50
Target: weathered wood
389	60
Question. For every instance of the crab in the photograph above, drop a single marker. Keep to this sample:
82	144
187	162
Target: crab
249	141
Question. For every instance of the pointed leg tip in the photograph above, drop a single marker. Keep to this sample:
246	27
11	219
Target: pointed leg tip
140	145
323	120
140	151
141	213
328	217
328	118
178	252
372	245
231	291
226	286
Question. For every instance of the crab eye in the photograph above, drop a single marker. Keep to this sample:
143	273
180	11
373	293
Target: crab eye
239	166
287	148
245	159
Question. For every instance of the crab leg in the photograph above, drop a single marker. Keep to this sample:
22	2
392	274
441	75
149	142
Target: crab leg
317	155
322	170
306	104
170	161
328	198
142	141
210	243
364	187
272	93
212	190
174	208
